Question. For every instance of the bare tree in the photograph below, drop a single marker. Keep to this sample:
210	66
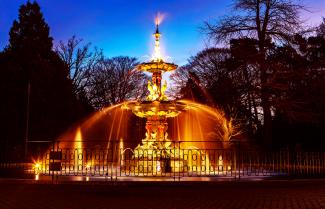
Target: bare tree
229	86
265	21
116	80
80	60
321	29
178	79
243	64
207	65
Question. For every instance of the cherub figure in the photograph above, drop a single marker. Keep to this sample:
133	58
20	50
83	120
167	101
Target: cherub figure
163	89
154	92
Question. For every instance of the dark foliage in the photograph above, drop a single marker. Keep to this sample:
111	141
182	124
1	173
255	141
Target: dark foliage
31	70
263	21
294	83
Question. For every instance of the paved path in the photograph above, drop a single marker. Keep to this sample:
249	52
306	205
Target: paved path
198	195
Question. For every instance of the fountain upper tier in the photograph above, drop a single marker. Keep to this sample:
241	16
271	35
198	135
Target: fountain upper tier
154	105
155	66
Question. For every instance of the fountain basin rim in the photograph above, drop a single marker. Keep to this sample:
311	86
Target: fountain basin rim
156	66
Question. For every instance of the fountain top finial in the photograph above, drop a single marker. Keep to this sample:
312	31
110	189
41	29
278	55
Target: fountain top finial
157	64
157	28
157	57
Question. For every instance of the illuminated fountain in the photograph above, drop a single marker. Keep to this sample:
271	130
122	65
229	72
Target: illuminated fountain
156	109
157	153
183	147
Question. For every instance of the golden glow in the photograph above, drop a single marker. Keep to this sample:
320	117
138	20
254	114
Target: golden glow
124	106
153	92
162	92
218	125
154	66
36	177
150	113
157	57
88	165
220	163
77	149
78	139
99	114
37	167
121	144
158	167
159	18
121	152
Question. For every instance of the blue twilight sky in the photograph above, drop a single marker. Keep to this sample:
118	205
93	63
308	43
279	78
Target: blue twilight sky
124	27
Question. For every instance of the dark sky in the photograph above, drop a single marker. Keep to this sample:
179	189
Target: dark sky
124	27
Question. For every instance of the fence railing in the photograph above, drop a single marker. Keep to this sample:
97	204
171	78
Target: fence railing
177	161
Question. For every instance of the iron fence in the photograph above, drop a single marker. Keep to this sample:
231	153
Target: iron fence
212	160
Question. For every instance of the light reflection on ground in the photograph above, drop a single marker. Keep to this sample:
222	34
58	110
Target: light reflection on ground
146	178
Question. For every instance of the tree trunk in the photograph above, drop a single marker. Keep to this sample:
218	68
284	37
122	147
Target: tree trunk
267	117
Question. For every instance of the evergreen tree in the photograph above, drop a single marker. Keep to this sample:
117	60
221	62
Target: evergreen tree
35	82
30	32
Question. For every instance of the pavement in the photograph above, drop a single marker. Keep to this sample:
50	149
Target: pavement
264	194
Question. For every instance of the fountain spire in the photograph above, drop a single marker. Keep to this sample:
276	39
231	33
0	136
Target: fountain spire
157	54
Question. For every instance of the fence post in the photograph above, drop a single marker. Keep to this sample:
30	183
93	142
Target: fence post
236	160
53	146
239	159
235	165
288	158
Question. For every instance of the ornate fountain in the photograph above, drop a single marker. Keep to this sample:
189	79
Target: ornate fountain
156	152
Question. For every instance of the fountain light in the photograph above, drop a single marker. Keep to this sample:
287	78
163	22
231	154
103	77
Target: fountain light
157	54
124	106
158	167
220	163
37	167
88	165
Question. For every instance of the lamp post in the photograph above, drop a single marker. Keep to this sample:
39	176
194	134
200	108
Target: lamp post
27	120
